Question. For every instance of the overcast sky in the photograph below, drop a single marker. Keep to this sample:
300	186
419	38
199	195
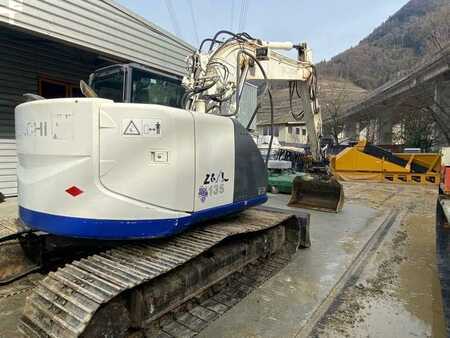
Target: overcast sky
329	26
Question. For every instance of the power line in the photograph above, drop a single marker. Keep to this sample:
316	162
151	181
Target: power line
173	17
243	15
232	16
244	22
146	24
247	4
194	22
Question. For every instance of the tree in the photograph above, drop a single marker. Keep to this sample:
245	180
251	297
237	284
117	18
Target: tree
337	102
368	126
417	129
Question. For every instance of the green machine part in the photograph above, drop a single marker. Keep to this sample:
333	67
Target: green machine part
281	181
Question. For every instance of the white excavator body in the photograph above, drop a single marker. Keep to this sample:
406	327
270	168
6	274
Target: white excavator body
157	158
97	169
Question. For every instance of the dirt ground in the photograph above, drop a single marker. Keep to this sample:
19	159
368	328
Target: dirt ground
398	292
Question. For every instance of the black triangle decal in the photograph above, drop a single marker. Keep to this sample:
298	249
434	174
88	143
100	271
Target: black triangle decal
132	129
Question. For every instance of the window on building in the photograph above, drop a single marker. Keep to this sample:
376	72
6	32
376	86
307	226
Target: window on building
267	130
304	131
297	131
75	91
53	89
276	131
290	130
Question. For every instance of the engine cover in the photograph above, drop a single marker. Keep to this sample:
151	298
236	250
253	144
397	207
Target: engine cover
92	168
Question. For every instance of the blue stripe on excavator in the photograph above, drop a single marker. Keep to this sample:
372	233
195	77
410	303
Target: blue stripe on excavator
107	229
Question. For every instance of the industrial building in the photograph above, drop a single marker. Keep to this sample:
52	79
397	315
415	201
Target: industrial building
47	47
289	133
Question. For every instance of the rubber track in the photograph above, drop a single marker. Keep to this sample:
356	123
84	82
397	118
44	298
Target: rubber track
65	301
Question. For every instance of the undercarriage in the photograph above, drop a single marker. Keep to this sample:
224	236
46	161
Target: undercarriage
124	289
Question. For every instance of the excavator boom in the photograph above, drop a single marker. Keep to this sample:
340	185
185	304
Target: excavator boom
214	85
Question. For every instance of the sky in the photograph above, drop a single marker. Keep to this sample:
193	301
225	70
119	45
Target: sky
328	26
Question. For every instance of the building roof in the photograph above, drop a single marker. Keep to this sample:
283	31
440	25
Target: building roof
102	26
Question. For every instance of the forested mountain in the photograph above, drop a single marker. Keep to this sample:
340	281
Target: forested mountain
417	30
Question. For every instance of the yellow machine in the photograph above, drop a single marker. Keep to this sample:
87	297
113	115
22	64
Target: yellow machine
366	162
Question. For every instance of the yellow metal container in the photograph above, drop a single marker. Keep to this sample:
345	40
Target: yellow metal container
353	164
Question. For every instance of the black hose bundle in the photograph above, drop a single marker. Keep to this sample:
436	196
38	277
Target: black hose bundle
240	78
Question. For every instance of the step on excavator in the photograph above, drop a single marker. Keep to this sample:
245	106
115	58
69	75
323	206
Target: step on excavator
142	188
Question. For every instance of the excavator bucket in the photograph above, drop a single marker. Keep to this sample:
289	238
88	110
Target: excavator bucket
320	192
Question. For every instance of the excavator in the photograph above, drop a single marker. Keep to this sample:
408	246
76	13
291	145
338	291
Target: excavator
143	188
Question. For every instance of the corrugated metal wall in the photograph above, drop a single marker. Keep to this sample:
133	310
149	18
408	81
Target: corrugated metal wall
100	25
24	59
8	166
65	40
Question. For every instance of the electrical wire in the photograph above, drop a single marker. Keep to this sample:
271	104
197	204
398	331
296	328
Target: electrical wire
173	17
240	15
232	15
146	24
194	22
243	15
244	22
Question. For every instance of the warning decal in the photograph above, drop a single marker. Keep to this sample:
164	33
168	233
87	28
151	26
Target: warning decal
131	129
151	127
141	127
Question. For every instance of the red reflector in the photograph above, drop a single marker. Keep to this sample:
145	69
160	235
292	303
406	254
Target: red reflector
74	191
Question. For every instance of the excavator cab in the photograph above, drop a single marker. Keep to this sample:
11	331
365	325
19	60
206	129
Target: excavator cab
134	83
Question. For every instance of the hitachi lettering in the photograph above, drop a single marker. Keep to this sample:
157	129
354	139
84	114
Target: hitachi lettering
36	128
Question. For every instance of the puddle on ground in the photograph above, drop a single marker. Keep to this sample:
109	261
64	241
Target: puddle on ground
419	288
398	294
386	317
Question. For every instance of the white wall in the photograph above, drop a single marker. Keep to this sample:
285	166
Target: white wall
288	134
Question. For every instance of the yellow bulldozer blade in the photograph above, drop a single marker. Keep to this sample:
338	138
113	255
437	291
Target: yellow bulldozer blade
319	192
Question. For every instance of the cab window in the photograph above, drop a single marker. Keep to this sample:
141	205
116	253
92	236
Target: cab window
109	85
155	89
